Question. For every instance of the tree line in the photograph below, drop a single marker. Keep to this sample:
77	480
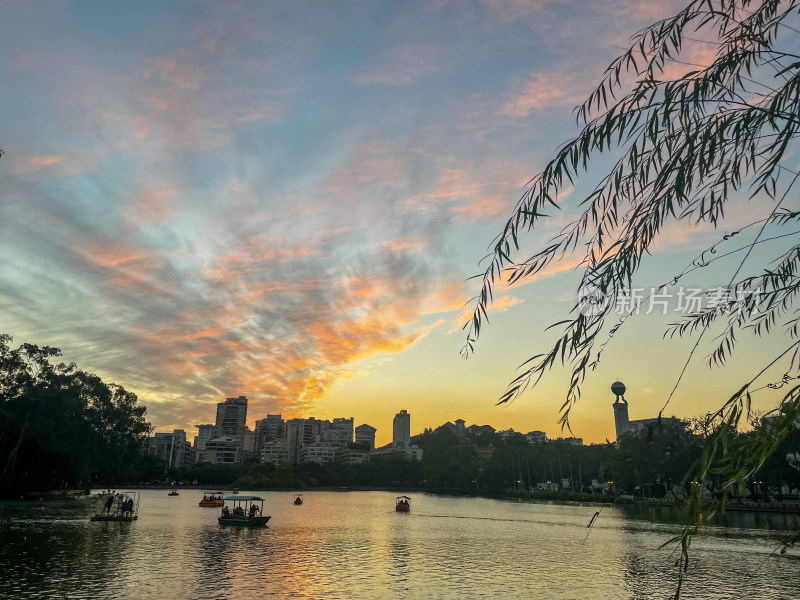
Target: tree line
655	464
64	428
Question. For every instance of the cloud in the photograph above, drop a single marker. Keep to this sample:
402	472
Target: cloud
512	10
472	193
500	304
32	162
545	90
44	166
403	67
369	165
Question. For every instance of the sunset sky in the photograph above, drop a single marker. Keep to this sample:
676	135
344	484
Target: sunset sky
284	200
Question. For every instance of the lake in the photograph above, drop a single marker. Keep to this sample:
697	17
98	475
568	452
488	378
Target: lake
354	545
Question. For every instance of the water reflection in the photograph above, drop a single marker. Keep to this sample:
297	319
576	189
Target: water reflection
356	546
399	563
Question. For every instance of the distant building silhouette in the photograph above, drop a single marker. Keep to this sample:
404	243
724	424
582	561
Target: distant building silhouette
204	434
232	418
536	437
401	430
365	434
247	440
224	450
479	429
623	424
458	427
621	421
275	452
267	430
170	447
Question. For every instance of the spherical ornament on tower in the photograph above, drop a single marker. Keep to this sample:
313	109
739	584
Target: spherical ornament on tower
618	388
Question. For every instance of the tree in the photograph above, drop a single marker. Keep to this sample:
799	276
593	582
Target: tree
683	148
62	427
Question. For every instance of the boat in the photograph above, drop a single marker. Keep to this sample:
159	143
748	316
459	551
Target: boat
119	506
298	499
173	493
235	491
245	513
402	504
212	499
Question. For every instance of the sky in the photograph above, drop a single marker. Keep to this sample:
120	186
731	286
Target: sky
286	200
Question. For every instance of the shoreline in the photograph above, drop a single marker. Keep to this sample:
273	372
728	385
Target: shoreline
777	507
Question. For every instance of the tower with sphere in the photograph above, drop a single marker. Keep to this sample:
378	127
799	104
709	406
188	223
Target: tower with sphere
621	421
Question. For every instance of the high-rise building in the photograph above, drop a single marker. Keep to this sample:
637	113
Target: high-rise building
294	438
232	417
365	434
401	430
247	440
269	429
205	433
339	432
224	450
170	447
275	452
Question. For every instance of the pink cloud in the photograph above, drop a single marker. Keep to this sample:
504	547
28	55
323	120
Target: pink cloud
160	202
485	205
544	90
370	165
412	244
697	55
512	10
42	166
30	162
408	65
470	192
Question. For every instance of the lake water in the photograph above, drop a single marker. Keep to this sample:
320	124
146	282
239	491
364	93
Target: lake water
354	545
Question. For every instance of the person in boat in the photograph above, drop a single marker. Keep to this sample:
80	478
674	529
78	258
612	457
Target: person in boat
253	510
238	511
109	504
127	506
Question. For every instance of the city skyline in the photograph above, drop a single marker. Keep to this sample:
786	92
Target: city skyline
255	200
402	432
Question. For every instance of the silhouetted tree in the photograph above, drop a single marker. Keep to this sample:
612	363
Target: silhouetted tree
61	427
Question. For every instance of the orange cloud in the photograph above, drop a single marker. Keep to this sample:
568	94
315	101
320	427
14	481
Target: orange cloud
30	162
36	166
471	193
500	304
485	206
413	244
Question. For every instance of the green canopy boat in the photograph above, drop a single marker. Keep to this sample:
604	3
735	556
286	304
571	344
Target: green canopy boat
245	512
